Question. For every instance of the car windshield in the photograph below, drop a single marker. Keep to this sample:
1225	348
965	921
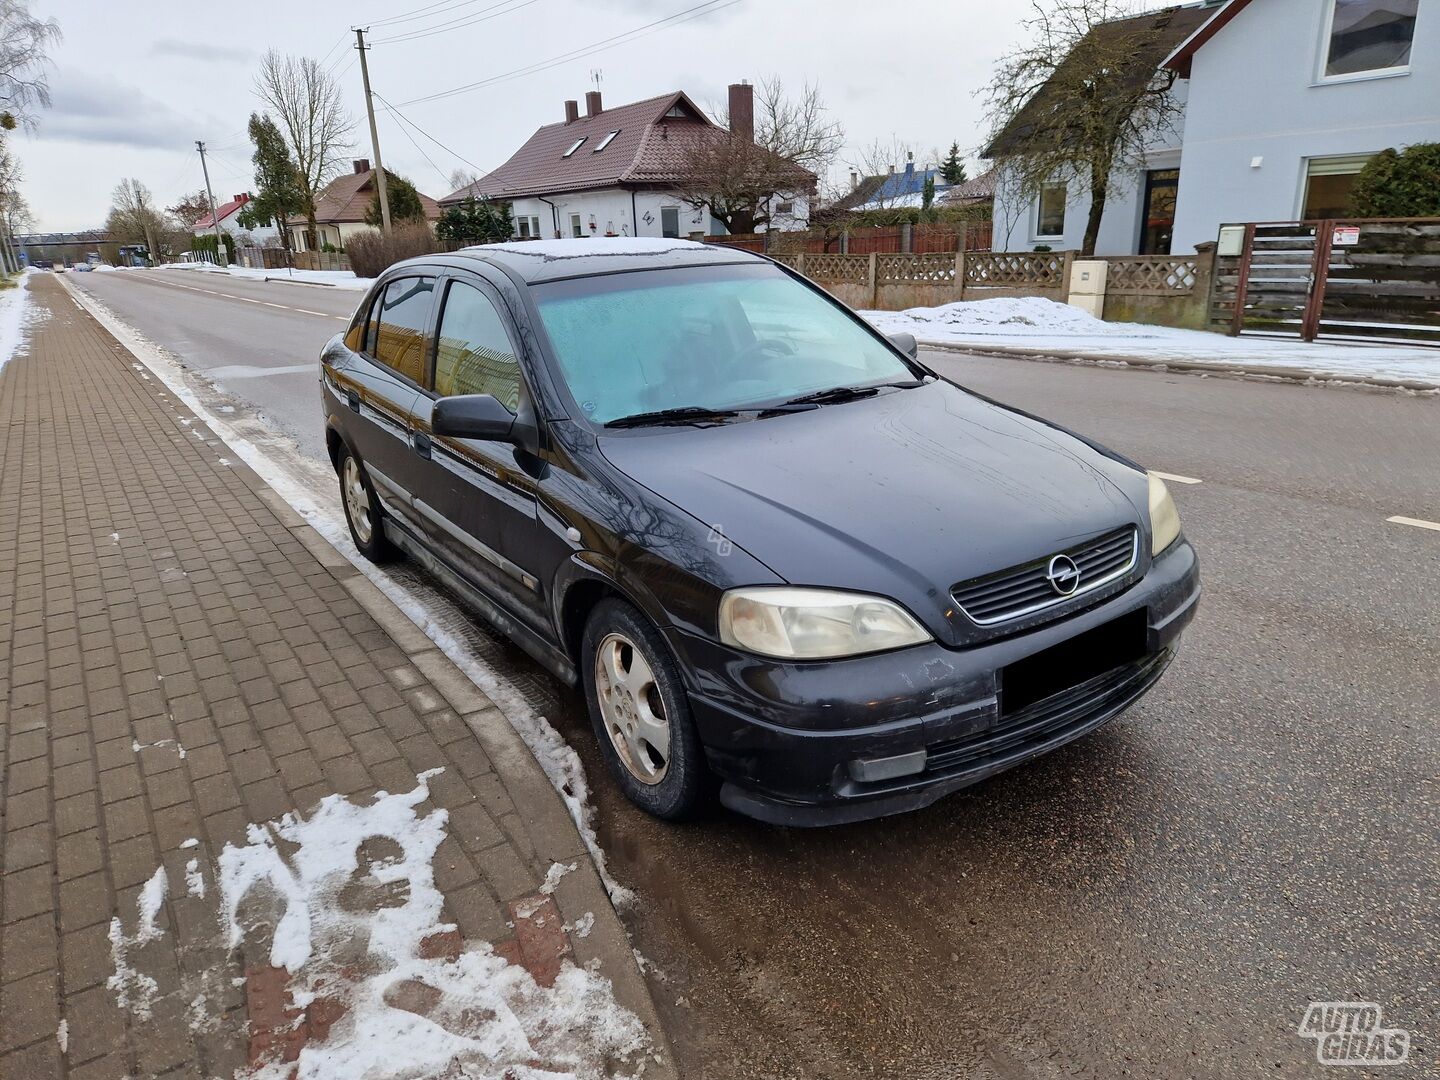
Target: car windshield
721	338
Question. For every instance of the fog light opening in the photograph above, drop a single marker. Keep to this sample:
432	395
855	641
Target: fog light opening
874	770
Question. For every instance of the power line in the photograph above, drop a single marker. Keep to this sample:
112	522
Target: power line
401	116
418	149
420	12
456	24
709	7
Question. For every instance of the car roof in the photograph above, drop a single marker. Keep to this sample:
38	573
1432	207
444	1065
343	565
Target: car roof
535	261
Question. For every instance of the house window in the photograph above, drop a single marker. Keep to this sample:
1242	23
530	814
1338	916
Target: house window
1050	220
670	221
785	207
605	142
524	228
576	228
1328	182
1369	35
575	146
535	227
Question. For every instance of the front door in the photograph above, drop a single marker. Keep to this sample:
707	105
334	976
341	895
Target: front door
1158	224
478	503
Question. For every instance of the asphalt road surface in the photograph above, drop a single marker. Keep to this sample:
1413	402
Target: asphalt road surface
1161	899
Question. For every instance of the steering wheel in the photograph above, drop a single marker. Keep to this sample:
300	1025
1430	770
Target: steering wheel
761	346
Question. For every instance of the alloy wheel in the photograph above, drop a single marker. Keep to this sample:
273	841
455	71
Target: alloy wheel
632	708
357	500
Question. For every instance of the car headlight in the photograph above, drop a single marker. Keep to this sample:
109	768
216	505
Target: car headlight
1164	518
813	624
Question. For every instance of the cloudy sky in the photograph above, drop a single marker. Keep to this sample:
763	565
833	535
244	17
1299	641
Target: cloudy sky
136	83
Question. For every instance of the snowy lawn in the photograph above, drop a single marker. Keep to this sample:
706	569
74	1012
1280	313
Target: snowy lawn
1034	325
341	279
15	314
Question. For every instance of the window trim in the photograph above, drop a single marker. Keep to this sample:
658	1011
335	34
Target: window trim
1323	78
502	312
1307	163
436	276
1035	233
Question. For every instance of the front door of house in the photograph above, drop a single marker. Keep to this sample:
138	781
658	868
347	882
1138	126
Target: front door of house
1158	224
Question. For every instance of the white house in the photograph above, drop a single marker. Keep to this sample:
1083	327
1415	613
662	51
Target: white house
1283	103
615	172
228	214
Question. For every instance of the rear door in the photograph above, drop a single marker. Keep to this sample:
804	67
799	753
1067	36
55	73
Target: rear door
387	381
478	503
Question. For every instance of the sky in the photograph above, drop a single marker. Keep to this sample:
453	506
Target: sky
136	82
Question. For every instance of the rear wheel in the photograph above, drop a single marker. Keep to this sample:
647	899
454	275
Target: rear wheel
362	511
640	713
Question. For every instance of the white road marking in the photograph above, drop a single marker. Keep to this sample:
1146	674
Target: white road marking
1176	479
1419	523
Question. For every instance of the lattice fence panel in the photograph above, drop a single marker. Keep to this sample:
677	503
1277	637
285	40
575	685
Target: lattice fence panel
932	269
1015	269
838	269
1159	275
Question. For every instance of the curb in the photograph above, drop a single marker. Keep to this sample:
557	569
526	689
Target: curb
267	277
548	822
1304	376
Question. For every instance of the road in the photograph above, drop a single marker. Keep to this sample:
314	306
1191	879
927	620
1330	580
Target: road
1162	899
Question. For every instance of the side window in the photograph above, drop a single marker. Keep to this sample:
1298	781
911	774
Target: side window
475	355
397	326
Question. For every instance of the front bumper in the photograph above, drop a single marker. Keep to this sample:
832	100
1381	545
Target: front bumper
784	737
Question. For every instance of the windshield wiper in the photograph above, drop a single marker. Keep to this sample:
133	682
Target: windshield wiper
846	393
683	414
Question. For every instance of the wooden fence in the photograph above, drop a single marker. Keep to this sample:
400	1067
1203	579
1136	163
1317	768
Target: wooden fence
921	239
1373	278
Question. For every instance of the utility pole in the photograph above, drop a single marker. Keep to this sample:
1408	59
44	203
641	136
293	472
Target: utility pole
214	219
374	134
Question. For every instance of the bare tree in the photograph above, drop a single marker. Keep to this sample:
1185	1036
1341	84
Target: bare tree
880	158
191	207
741	180
1082	101
24	86
135	216
309	109
462	178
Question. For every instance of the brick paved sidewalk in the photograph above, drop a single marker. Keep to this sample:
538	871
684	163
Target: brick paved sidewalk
184	660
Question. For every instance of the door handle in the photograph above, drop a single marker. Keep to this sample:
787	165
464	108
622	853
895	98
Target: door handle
353	400
422	444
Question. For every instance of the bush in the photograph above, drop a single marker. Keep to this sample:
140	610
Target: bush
371	253
1403	184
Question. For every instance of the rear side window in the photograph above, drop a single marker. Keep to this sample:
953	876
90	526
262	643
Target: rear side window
474	355
396	336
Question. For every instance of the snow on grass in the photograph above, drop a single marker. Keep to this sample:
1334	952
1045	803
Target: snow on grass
354	888
17	315
1036	325
340	279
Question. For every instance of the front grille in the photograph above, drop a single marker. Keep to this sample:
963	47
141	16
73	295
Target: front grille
1071	712
1024	590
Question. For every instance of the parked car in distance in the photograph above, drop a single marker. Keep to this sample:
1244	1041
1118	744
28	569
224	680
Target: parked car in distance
771	546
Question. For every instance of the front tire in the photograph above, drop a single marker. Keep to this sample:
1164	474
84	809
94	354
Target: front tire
641	715
362	510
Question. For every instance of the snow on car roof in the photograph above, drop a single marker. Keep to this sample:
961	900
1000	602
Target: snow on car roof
549	260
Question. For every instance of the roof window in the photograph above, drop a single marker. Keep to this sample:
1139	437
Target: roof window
605	142
575	146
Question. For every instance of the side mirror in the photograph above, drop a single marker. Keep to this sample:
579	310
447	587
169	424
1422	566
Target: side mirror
906	343
472	416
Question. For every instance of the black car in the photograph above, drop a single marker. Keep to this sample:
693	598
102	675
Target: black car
772	546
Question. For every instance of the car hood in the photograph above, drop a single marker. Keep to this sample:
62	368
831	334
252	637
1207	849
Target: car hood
902	495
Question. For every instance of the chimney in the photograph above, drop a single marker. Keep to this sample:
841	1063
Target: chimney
742	111
243	197
592	103
854	179
572	111
892	170
361	165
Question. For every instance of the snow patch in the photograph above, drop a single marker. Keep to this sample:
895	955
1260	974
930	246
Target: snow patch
62	1036
1038	325
194	879
554	874
151	897
353	888
16	316
136	745
132	989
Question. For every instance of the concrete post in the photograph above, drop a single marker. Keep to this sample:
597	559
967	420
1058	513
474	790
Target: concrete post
874	281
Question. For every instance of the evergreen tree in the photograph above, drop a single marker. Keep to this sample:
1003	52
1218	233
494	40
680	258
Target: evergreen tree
952	168
927	194
278	195
405	204
480	220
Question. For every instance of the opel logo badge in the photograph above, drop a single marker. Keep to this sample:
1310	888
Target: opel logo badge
1063	575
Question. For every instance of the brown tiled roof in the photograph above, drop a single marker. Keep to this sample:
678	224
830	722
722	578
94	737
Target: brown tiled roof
1155	35
978	189
649	149
346	198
